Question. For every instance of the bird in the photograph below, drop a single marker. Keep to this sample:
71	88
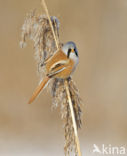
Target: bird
61	65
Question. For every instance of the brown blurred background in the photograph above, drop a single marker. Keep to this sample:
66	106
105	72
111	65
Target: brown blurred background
99	27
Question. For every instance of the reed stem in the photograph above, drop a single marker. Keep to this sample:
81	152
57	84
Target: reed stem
73	118
50	22
65	83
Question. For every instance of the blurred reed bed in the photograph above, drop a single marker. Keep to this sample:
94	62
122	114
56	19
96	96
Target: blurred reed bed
37	28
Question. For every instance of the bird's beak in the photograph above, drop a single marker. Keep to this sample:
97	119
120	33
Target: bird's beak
72	50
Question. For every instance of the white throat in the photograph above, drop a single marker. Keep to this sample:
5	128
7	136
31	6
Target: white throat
75	59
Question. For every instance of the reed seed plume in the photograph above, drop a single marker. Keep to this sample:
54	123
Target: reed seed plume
38	29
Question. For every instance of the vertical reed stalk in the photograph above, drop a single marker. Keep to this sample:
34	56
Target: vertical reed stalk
73	117
65	83
50	22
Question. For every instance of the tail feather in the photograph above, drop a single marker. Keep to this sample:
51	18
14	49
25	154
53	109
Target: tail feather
38	89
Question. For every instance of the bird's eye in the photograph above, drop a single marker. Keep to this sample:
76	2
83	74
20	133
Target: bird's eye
68	53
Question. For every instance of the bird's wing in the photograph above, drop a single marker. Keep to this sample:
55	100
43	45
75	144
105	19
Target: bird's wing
51	74
57	67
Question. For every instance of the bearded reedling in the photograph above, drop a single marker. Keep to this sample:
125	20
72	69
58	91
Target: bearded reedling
61	65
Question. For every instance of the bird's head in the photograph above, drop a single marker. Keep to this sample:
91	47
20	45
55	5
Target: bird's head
69	48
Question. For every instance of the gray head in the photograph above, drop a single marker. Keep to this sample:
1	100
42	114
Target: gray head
71	51
69	48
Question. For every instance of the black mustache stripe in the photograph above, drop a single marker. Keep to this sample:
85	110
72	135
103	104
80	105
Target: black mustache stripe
68	53
76	53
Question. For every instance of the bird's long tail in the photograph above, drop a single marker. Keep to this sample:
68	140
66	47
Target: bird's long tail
38	89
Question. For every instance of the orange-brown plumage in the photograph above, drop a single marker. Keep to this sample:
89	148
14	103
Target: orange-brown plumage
60	65
38	89
59	58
